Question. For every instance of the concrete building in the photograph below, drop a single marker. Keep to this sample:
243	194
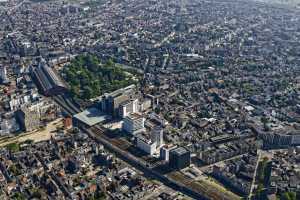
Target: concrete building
165	151
134	123
179	158
296	140
114	102
150	143
157	136
146	145
3	75
158	119
280	140
8	126
31	117
146	104
27	49
28	118
110	103
128	107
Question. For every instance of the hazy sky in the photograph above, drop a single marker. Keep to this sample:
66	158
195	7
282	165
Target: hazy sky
291	2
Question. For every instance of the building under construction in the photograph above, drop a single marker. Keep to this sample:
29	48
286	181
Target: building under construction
48	80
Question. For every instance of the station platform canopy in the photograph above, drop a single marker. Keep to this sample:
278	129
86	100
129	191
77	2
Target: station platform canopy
91	116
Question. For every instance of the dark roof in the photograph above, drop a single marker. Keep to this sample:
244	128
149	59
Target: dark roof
47	78
180	151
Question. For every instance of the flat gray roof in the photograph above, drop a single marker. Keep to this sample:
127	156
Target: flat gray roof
92	116
180	150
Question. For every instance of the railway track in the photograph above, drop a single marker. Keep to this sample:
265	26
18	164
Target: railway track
97	133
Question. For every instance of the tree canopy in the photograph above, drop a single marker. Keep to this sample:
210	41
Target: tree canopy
89	78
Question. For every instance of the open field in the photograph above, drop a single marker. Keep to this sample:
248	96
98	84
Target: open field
36	136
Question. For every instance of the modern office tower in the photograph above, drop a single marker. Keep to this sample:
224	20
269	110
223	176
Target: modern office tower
179	158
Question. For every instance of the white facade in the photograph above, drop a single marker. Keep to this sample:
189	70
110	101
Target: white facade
8	126
3	75
134	123
157	136
128	108
135	106
150	143
146	145
165	151
146	104
16	103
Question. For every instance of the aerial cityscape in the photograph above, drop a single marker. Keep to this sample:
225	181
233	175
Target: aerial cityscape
150	99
